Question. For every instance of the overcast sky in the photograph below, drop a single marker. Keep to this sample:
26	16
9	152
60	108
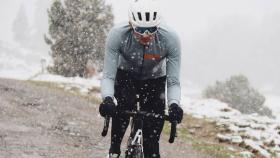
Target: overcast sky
219	37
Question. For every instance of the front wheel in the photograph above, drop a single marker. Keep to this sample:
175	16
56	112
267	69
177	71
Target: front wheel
134	151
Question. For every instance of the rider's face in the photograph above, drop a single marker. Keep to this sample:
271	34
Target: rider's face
144	38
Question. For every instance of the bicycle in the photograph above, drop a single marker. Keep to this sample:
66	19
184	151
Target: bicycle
135	142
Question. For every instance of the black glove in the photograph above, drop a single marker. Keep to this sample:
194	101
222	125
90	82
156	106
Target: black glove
107	107
175	113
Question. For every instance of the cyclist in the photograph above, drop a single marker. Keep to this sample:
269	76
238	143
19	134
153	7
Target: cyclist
140	57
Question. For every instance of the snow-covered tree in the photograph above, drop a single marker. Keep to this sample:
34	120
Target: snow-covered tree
21	28
77	33
237	93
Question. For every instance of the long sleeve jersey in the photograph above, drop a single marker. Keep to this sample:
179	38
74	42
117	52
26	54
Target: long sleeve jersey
161	57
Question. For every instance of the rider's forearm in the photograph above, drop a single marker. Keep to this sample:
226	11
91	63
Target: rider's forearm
173	65
107	88
110	65
173	91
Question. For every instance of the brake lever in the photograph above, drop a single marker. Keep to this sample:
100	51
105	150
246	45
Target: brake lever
173	132
106	126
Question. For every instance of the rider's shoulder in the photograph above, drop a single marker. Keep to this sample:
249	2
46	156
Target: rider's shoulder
168	32
120	28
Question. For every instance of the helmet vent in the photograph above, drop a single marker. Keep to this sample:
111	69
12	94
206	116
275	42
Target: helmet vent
133	17
139	16
147	16
155	15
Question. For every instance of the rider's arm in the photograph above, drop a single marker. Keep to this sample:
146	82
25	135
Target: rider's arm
173	69
110	63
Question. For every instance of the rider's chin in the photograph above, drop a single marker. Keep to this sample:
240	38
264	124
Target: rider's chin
145	40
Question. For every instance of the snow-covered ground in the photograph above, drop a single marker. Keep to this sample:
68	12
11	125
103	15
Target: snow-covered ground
252	131
84	85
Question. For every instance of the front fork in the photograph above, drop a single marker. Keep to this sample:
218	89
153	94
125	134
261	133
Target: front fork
135	141
135	144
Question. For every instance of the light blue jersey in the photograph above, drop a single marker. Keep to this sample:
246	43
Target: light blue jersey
162	56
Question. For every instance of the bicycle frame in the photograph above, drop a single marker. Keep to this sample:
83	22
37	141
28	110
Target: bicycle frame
135	141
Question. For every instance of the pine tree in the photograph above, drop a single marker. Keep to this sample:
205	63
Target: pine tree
21	28
77	30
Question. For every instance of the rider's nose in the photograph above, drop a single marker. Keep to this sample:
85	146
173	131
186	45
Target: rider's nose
146	34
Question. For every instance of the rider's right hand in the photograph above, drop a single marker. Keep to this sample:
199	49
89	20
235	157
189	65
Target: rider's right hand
107	107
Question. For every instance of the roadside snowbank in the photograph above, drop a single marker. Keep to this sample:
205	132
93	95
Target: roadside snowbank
256	133
84	85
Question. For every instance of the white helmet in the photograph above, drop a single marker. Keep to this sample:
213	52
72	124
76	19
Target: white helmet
144	13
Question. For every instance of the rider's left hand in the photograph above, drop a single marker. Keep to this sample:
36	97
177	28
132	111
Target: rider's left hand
175	113
107	107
